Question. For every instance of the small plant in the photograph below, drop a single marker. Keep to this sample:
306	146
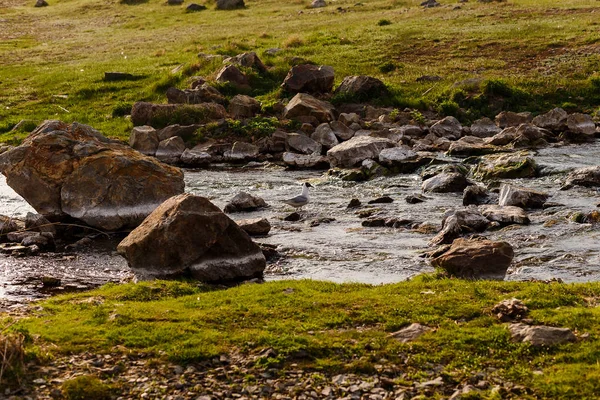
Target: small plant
11	358
417	117
384	22
293	41
86	387
387	67
449	108
394	114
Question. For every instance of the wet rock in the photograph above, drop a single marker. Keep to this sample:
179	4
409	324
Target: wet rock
241	152
509	118
352	152
50	281
448	127
362	87
354	203
144	139
476	259
195	157
410	333
270	252
230	4
521	197
189	235
293	217
72	170
587	177
506	166
484	128
505	137
186	132
554	120
306	105
580	128
349	118
170	150
382	200
242	106
233	75
143	113
415	199
255	226
301	144
510	310
325	136
459	222
540	335
505	215
476	195
471	146
341	130
402	160
7	225
375	222
201	94
315	160
372	169
528	135
308	78
446	183
433	170
244	202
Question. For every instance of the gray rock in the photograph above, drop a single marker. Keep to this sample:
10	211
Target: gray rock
230	4
587	177
248	60
580	128
504	137
468	146
509	118
554	120
352	152
241	151
233	75
476	259
484	128
505	215
506	166
188	235
186	132
255	226
244	202
540	335
314	160
521	197
448	127
308	78
460	222
195	157
39	223
170	150
476	195
302	144
410	333
144	139
7	225
349	118
242	106
306	105
510	310
325	136
446	183
362	87
341	130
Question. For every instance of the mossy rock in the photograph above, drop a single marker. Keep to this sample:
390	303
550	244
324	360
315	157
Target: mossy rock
506	166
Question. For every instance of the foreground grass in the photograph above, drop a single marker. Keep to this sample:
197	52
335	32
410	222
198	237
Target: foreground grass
332	327
53	58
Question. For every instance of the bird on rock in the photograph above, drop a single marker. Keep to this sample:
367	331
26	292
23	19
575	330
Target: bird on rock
300	200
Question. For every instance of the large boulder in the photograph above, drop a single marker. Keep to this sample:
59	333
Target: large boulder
159	115
540	335
521	197
325	136
307	78
468	146
352	152
342	131
587	177
580	128
305	105
476	259
314	160
241	151
448	127
187	235
170	150
554	120
402	160
362	87
484	128
144	139
509	118
71	170
506	166
233	75
302	144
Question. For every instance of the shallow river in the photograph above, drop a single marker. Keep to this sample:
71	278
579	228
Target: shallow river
342	250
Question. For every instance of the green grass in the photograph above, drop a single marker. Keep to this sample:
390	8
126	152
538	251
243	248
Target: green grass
54	58
332	327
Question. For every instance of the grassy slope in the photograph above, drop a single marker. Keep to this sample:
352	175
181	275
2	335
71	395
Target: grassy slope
547	48
336	327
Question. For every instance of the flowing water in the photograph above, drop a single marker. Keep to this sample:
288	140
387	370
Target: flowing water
329	242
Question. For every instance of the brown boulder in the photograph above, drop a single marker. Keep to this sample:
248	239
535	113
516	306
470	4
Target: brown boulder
305	105
476	259
362	87
71	170
307	78
242	106
233	75
188	235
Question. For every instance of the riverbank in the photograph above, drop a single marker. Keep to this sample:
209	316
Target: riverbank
318	339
